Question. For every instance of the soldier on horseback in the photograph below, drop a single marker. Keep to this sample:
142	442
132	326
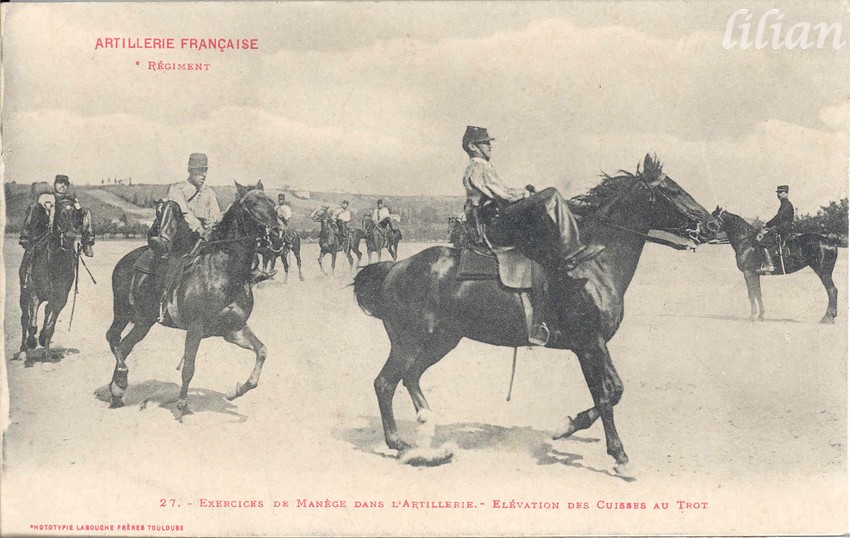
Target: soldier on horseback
44	208
538	224
342	216
776	229
382	218
198	205
283	210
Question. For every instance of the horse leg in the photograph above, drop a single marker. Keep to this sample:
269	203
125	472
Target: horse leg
832	293
321	255
246	339
51	314
121	349
284	258
27	336
398	363
333	262
606	388
754	293
297	253
435	349
194	334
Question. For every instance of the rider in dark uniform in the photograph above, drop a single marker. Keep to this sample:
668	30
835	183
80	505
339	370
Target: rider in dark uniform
781	225
538	224
45	205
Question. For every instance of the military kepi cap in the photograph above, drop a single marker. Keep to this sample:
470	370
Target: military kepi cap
62	179
198	160
782	188
475	134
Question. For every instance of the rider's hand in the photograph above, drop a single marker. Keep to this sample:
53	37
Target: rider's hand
530	188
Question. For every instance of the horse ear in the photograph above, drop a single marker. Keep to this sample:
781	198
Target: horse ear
652	171
240	189
260	185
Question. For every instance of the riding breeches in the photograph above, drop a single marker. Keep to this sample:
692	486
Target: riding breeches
541	226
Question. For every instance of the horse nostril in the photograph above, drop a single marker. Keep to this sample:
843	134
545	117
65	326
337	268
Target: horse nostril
713	226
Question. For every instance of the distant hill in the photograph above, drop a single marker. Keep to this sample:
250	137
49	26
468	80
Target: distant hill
129	209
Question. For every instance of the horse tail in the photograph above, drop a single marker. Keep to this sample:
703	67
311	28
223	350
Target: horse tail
367	288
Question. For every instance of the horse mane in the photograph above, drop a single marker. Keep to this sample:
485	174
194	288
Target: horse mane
220	228
740	220
593	199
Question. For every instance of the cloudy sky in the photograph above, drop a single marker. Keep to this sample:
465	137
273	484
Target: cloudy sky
374	97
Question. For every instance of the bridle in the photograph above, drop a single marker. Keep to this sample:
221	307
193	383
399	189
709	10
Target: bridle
600	214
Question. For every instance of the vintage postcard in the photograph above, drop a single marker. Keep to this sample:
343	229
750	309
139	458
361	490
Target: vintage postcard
425	268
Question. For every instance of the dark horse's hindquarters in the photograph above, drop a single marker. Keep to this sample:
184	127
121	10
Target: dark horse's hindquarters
214	297
422	330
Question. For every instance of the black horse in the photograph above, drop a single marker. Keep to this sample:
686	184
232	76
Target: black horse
213	298
618	213
377	239
281	246
329	241
52	270
803	250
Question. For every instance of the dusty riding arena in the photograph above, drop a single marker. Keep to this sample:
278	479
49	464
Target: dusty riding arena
732	427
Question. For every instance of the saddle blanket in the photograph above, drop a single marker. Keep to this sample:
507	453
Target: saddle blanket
507	264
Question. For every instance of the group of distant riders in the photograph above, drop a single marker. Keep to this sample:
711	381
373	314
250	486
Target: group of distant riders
537	223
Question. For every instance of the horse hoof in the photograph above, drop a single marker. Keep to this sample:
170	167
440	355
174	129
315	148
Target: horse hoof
828	320
566	431
116	403
624	469
20	355
182	410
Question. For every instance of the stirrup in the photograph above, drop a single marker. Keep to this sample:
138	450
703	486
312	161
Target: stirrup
538	334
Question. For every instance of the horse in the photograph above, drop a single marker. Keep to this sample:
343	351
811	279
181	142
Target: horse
617	213
458	234
281	246
329	241
377	239
52	271
805	250
213	298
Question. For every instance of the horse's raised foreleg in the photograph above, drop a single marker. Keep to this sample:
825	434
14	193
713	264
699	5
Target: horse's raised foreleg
121	349
606	388
245	338
194	334
321	255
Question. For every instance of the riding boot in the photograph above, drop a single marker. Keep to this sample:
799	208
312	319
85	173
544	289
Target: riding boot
25	272
162	238
538	332
87	239
172	276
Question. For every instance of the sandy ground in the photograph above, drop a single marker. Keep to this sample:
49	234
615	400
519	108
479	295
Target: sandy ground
748	418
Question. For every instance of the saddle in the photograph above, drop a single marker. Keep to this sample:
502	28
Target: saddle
154	267
506	264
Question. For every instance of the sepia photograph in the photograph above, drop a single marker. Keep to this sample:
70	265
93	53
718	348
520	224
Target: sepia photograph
425	268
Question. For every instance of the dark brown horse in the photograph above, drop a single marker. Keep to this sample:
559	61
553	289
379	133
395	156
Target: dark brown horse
618	213
213	298
329	241
804	250
377	239
280	247
53	267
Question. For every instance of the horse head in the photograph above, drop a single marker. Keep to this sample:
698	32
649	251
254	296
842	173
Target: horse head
253	214
66	222
673	209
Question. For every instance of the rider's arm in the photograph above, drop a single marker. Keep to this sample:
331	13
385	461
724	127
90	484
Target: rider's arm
177	193
485	179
